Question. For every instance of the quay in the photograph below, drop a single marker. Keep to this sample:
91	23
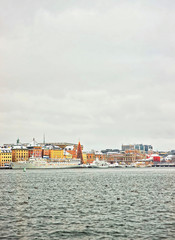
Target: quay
6	167
164	165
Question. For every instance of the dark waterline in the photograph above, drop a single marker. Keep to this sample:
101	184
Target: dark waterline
88	204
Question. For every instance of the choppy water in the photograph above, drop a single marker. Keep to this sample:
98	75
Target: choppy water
87	204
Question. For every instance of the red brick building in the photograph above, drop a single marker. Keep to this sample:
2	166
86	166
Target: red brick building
35	151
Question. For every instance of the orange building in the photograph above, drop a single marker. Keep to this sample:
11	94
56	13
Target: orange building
99	155
35	151
72	150
45	153
90	157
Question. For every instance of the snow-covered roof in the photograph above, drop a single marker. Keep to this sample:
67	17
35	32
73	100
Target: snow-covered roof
56	148
33	143
66	153
19	147
5	150
69	147
98	152
47	147
113	153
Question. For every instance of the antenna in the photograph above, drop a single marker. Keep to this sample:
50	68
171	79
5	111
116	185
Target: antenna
44	139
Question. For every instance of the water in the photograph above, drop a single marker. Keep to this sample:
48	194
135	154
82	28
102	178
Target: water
87	204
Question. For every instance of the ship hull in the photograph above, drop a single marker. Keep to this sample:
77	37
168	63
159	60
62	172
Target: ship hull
45	165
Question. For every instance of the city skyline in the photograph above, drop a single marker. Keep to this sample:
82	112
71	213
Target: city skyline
101	72
62	144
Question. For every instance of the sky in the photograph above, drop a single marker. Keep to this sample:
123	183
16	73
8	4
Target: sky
102	72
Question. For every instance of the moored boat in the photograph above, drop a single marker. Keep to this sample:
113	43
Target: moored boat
99	164
40	163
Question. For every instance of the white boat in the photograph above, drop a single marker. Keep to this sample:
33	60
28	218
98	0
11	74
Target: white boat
121	166
99	164
40	163
113	165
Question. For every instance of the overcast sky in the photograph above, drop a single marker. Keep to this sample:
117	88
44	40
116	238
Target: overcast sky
102	71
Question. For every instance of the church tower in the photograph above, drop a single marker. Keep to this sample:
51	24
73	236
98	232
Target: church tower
79	152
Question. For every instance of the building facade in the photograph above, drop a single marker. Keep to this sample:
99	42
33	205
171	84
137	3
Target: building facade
45	153
139	147
35	151
56	153
90	157
5	157
20	153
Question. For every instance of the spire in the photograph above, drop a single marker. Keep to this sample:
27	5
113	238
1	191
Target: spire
17	141
79	152
44	139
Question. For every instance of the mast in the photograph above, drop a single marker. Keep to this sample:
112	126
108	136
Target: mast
44	139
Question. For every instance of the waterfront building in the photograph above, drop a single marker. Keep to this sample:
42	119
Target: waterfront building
72	149
35	150
56	153
20	153
45	152
90	157
154	158
170	158
113	157
5	156
84	157
99	155
131	156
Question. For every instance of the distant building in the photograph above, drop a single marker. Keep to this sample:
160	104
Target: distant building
173	152
90	156
56	153
99	155
139	147
5	156
35	151
84	157
113	157
45	152
110	150
72	150
20	153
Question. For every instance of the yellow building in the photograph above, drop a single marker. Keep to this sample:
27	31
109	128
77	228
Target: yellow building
5	157
56	153
84	157
20	154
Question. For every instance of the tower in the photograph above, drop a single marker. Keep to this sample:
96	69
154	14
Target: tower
79	152
17	141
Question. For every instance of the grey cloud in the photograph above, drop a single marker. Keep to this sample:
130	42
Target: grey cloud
101	71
